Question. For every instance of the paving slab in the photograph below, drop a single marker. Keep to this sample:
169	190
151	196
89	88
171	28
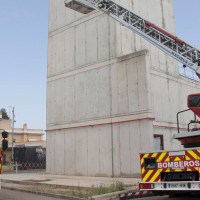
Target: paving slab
74	181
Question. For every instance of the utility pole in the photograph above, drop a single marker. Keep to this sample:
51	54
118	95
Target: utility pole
13	121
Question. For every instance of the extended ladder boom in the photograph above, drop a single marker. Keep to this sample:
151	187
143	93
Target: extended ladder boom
180	50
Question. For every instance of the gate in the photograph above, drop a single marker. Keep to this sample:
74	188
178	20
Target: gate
30	158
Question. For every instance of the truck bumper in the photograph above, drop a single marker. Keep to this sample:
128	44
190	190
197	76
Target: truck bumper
170	186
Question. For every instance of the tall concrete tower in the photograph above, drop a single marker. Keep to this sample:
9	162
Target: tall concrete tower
110	94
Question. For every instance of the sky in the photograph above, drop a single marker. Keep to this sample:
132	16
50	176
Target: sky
187	21
23	54
23	60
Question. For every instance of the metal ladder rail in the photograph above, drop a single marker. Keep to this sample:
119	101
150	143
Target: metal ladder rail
175	47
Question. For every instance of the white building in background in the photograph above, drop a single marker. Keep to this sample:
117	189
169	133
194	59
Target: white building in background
110	94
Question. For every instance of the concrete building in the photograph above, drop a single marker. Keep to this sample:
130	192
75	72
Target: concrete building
23	137
110	94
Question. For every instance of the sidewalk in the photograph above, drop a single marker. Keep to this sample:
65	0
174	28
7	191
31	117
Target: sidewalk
64	187
68	181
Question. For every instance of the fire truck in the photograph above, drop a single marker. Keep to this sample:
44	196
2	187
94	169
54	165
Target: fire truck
174	171
163	171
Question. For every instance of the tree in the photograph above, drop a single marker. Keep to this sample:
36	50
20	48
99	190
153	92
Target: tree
4	113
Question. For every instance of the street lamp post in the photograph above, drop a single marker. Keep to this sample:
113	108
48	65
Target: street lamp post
13	121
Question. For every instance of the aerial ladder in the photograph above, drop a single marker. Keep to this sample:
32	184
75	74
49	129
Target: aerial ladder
172	45
161	171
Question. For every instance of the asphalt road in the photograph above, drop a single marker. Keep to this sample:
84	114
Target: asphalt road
172	198
15	195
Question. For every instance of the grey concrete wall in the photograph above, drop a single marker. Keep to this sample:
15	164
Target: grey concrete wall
88	150
109	91
107	106
104	90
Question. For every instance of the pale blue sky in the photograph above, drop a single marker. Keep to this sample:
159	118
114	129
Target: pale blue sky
23	59
23	53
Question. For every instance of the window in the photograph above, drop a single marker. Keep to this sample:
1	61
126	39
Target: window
158	142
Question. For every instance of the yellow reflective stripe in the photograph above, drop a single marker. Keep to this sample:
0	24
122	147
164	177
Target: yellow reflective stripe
187	158
143	170
192	154
147	175
155	176
177	159
167	159
179	170
142	161
162	156
154	155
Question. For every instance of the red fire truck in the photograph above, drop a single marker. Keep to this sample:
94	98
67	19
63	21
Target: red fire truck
173	171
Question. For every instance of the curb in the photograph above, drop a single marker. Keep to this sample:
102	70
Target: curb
108	196
135	195
58	196
123	195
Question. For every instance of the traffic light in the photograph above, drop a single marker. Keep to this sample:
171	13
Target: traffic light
4	141
4	144
4	134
